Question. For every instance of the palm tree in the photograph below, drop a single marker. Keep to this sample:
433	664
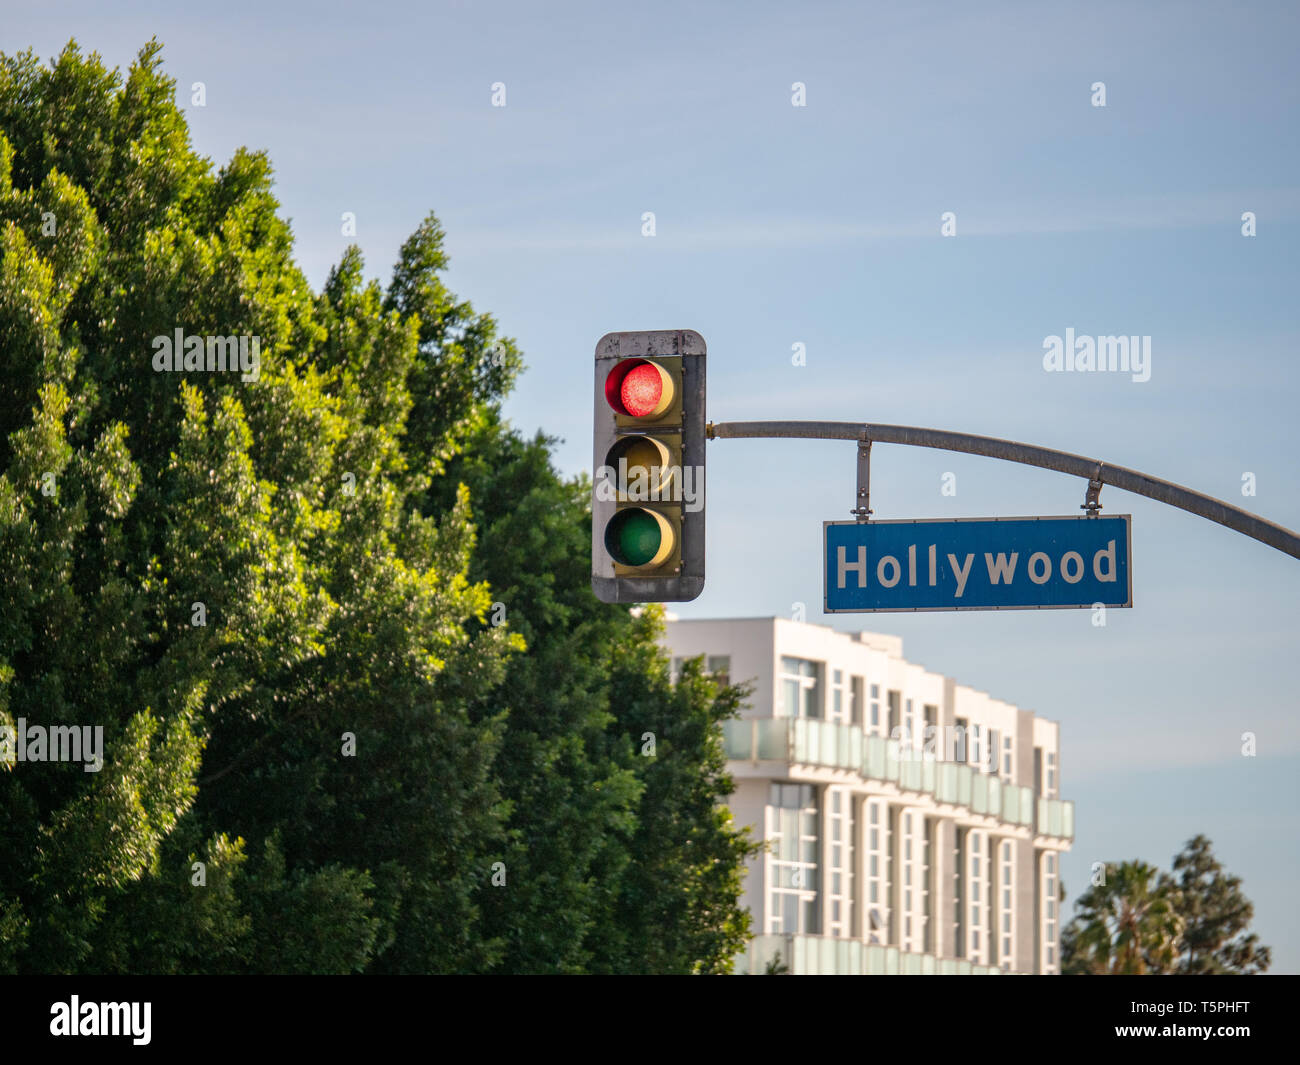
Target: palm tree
1126	925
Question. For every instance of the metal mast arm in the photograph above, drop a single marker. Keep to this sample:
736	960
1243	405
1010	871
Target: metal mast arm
1174	495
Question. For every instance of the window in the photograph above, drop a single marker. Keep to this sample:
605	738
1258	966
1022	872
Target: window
895	700
1005	955
913	855
929	730
994	753
855	688
800	688
877	918
893	862
792	819
960	725
875	707
839	697
1006	758
840	816
927	893
1045	780
720	667
959	852
1049	913
976	845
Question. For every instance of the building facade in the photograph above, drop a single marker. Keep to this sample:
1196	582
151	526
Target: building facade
914	825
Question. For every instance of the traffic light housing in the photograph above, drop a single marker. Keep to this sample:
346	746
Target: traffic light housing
647	507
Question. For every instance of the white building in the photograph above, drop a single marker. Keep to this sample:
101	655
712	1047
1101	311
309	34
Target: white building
915	825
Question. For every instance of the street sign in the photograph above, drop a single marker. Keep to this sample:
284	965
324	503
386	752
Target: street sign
978	564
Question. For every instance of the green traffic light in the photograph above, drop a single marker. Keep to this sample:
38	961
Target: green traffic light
634	537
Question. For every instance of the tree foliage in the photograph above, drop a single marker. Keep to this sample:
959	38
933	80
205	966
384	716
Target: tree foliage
1140	920
1215	916
614	776
276	596
1126	925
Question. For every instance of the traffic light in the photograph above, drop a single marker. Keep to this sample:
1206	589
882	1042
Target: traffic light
647	507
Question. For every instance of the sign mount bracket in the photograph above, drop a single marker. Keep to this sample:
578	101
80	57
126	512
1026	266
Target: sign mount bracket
1092	498
863	509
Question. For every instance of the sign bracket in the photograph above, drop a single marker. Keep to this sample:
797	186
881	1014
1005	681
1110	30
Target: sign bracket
863	509
1092	498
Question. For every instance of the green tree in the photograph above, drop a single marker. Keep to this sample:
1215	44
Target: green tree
621	859
1126	925
1142	920
228	575
1215	916
298	603
678	905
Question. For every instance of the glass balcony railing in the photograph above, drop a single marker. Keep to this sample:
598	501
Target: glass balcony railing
829	956
1055	818
824	743
1017	805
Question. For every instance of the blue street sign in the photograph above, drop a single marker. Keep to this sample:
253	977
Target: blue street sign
978	564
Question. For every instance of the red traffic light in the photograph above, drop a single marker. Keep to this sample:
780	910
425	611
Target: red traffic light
639	388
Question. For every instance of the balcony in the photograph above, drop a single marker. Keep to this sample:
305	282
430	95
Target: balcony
828	956
1055	818
809	741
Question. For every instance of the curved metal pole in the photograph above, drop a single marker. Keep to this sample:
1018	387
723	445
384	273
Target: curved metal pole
1046	458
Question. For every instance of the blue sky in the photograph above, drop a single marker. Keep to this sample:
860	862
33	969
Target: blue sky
820	225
